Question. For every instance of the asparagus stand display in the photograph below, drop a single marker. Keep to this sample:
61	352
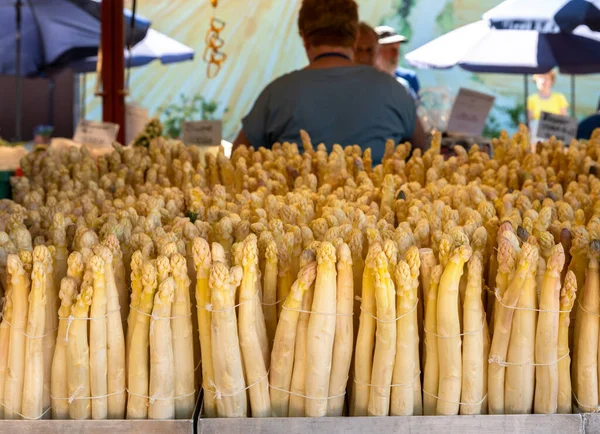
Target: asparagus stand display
458	293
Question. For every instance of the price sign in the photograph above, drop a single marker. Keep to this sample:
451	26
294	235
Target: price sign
469	112
562	127
204	133
136	118
96	133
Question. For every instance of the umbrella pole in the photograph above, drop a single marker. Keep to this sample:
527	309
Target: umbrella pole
83	95
51	101
19	79
526	97
572	95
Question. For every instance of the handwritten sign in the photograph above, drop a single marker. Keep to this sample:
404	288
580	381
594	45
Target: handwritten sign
469	112
96	133
562	127
204	133
136	118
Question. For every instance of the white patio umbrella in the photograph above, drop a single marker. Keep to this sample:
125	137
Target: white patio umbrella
477	47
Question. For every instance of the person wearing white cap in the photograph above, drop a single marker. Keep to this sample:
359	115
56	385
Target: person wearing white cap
388	56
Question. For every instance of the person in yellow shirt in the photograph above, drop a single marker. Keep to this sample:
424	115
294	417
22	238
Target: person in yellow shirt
546	100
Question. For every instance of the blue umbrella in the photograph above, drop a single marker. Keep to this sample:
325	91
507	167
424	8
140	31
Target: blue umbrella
53	33
37	36
545	16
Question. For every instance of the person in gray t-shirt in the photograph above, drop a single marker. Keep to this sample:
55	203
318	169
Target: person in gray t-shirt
334	100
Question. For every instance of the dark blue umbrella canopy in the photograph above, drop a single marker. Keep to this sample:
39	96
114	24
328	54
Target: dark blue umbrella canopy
545	16
53	33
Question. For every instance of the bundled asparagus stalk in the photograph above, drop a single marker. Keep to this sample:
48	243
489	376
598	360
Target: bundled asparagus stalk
5	340
182	338
366	336
33	378
502	328
520	373
229	381
402	397
297	405
476	342
138	362
448	326
47	257
320	333
98	350
78	353
344	335
546	348
202	261
270	289
431	374
567	299
162	373
137	263
414	263
20	285
585	376
282	356
115	340
59	386
254	363
385	339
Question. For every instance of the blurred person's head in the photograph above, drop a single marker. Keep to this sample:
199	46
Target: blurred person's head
388	53
544	82
366	45
328	25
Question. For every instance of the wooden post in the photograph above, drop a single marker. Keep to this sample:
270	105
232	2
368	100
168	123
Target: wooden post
113	65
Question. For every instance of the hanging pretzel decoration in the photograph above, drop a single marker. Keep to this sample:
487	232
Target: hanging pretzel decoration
212	53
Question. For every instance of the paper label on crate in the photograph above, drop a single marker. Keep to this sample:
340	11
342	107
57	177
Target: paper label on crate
203	133
96	133
562	127
469	112
136	118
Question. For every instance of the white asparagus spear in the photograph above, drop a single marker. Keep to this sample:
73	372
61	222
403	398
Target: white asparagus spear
546	345
202	259
138	374
254	364
385	339
33	384
449	340
402	397
115	340
162	375
475	341
5	339
320	333
47	257
13	387
183	340
344	333
98	350
227	360
282	358
78	353
59	386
